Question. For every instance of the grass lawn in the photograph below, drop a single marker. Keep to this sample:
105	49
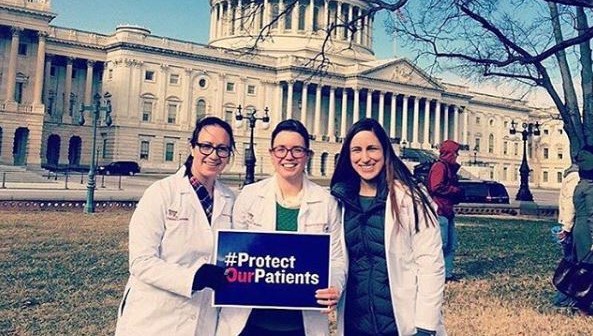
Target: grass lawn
64	273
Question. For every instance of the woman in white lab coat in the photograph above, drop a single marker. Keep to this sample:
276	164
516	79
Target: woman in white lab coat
288	201
172	275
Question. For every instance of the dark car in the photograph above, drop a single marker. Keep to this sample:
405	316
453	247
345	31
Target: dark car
120	168
484	192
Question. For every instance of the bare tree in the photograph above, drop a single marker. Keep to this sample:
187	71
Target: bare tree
534	42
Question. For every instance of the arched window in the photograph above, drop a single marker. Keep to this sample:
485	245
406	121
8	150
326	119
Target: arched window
275	13
302	16
316	19
200	109
491	143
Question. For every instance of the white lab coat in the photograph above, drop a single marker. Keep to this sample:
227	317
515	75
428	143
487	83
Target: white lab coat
255	209
170	239
415	268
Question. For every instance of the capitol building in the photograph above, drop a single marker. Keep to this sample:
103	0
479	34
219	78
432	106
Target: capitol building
158	87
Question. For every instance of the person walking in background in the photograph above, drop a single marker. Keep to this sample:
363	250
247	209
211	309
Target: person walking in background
172	241
288	201
444	188
582	231
566	215
395	262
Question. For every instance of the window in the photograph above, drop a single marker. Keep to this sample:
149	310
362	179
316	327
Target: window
560	131
23	49
251	90
174	79
149	76
477	147
316	23
477	120
559	177
18	92
230	87
147	110
229	114
545	176
200	109
491	122
505	148
515	174
110	74
302	16
506	125
491	143
203	83
144	149
169	151
288	19
546	153
171	113
516	148
546	132
560	154
505	171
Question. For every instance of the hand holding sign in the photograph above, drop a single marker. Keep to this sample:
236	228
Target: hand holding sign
328	297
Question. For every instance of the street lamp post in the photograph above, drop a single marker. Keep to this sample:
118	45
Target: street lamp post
95	111
250	155
529	129
475	155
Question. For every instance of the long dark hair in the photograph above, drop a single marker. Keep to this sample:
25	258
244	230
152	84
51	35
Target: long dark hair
394	169
200	124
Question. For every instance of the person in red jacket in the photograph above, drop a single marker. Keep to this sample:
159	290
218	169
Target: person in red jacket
446	192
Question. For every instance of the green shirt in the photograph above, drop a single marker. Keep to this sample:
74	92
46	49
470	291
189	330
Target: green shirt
286	218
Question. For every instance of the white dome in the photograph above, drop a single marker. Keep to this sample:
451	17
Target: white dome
236	24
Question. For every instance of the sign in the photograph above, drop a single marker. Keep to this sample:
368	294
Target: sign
272	269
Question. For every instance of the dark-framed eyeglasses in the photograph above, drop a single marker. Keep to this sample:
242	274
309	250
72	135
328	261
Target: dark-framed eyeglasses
297	152
221	151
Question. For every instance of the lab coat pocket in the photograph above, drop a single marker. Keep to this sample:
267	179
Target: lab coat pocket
316	227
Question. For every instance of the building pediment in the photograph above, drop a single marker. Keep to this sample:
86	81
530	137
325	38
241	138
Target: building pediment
401	71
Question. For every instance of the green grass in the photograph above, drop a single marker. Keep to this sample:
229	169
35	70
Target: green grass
64	273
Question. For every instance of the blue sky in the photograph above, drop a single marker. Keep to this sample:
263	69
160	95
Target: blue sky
181	19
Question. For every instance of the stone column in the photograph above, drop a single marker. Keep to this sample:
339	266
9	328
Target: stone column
465	125
369	111
339	21
186	117
437	122
426	142
392	121
68	85
295	13
415	123
162	111
317	117
88	83
38	88
12	63
356	106
212	23
344	113
279	96
325	14
266	13
281	20
219	31
304	92
311	21
47	78
456	123
404	118
446	121
289	102
382	108
331	122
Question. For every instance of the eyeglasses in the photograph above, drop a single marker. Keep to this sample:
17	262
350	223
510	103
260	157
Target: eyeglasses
221	151
297	152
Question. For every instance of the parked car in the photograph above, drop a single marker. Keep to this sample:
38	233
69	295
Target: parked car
477	191
120	168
